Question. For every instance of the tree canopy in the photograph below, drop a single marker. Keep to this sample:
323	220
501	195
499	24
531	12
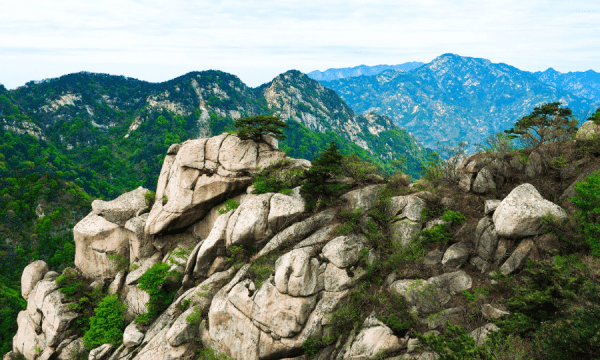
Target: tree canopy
546	123
255	126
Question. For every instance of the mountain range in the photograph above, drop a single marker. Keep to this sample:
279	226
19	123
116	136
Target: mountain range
341	73
462	98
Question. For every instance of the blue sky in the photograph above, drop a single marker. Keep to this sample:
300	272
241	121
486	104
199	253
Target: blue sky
158	40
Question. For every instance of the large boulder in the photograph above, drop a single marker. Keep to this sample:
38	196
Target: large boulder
484	182
32	273
515	261
520	213
96	239
364	198
296	273
374	339
404	231
455	256
344	251
431	295
204	173
123	208
249	222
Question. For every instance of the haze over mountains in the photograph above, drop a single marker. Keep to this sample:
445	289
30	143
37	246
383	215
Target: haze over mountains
341	73
456	98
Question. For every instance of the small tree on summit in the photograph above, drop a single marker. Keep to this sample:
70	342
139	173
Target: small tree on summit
256	126
546	123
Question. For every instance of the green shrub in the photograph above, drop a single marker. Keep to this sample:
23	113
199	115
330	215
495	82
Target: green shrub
195	317
70	283
454	217
209	354
119	262
150	197
588	216
351	221
357	168
277	178
153	282
557	308
106	326
229	205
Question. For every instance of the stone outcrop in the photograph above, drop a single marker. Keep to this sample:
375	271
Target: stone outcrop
96	239
374	338
520	213
123	208
204	173
297	267
32	273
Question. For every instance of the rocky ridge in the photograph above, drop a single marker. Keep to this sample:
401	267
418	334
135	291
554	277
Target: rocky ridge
315	267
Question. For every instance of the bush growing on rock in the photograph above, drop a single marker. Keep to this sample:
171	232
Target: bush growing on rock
106	326
154	282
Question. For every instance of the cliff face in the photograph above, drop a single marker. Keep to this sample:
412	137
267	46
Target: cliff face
267	279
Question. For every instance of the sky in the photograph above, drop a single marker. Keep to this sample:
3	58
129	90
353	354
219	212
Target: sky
158	40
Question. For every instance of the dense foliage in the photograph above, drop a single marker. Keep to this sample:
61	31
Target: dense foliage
155	282
106	326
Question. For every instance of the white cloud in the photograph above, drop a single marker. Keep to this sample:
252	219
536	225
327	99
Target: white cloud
256	40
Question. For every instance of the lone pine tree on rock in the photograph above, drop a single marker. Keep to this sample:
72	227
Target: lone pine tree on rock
255	126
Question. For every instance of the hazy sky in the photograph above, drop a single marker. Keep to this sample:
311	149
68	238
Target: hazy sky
256	40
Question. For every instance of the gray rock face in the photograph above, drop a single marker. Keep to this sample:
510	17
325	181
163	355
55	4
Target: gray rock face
297	274
481	334
210	248
490	312
520	213
515	260
296	232
204	173
434	257
182	331
484	182
436	320
465	181
487	243
455	256
374	338
71	350
27	341
363	198
249	222
491	206
247	324
123	208
404	231
96	238
344	251
413	209
32	273
102	352
140	243
429	296
132	336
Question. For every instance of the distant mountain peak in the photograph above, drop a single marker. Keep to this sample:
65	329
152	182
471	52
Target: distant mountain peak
360	70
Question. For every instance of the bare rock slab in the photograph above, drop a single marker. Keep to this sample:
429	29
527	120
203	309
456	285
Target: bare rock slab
123	208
